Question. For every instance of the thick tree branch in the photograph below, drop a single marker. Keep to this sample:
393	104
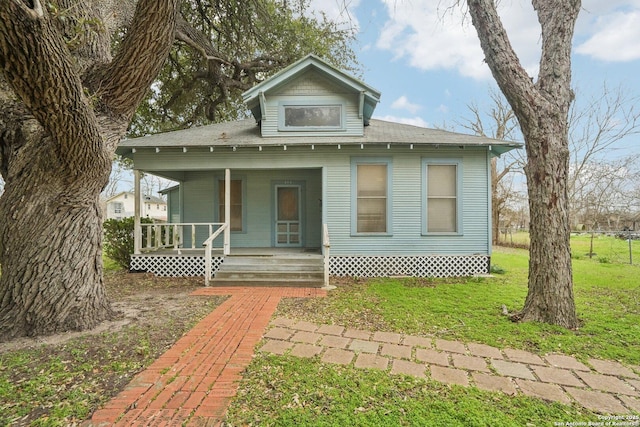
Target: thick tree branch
557	34
141	56
52	92
198	41
503	61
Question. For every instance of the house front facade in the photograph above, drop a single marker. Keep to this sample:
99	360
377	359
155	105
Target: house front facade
122	205
312	171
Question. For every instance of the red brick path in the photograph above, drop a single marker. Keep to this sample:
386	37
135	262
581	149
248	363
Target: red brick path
195	379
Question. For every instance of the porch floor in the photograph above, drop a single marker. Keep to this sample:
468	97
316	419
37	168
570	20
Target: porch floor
284	252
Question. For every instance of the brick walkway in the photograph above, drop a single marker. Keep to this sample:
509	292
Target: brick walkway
194	381
602	386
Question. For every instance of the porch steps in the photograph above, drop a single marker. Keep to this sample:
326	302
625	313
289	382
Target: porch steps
271	270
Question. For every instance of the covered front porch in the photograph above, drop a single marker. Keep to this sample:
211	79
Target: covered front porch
273	214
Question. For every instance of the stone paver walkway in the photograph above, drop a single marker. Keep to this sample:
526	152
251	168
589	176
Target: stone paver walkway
194	381
602	386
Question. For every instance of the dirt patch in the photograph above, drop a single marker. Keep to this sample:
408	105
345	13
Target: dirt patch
63	378
141	298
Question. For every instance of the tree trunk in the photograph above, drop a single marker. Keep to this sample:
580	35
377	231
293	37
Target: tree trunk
542	110
56	147
550	298
51	253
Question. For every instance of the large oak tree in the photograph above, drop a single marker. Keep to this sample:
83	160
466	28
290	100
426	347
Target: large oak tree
73	74
542	108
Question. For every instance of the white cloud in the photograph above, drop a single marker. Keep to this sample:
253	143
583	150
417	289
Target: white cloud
442	109
432	38
615	38
415	121
403	103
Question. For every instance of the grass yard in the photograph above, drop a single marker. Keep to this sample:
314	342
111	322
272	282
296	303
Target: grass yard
288	391
61	384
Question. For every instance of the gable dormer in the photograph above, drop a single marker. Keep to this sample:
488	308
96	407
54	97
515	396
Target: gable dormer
311	98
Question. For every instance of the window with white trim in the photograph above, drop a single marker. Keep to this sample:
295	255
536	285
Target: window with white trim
236	204
442	203
371	196
311	116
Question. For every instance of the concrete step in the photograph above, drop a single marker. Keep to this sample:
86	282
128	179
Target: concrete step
268	275
269	283
273	260
276	270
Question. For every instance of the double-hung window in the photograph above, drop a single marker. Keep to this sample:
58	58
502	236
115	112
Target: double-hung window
371	199
236	204
442	203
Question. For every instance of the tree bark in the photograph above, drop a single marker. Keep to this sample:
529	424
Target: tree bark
542	111
56	147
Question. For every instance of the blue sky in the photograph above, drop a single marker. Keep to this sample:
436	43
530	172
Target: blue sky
426	60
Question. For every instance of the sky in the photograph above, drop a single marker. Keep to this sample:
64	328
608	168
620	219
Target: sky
425	57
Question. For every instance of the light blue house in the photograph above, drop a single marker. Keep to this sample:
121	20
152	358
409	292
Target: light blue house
313	173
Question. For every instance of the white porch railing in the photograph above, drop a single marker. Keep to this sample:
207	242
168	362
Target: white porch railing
326	245
208	246
171	236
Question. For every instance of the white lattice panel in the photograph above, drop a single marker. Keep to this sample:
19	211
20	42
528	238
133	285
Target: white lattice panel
173	266
417	266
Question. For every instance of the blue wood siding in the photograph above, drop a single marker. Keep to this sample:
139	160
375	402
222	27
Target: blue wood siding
310	87
261	168
406	235
173	205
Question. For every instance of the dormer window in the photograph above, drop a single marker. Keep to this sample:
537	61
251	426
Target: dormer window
312	116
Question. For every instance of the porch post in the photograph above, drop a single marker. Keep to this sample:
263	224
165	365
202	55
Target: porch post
227	211
137	230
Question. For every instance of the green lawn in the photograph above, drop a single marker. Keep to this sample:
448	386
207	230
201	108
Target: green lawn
289	391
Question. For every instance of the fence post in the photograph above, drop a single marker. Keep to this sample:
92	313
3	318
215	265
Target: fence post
630	252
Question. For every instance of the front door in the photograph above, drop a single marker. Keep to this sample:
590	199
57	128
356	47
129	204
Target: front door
288	219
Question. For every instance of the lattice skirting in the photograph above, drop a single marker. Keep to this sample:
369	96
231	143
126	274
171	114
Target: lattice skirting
172	265
416	266
360	266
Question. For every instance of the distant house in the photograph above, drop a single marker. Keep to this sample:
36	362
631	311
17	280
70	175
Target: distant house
122	205
312	171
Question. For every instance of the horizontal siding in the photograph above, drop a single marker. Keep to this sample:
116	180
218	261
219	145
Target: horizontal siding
309	83
406	238
197	192
201	191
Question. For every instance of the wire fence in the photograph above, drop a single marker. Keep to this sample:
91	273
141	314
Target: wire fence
620	247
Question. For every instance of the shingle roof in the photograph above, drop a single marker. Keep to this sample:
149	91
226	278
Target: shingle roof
246	133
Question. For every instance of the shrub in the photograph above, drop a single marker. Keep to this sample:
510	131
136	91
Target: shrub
118	239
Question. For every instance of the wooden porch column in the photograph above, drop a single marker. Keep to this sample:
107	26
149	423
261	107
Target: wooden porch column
227	211
137	230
